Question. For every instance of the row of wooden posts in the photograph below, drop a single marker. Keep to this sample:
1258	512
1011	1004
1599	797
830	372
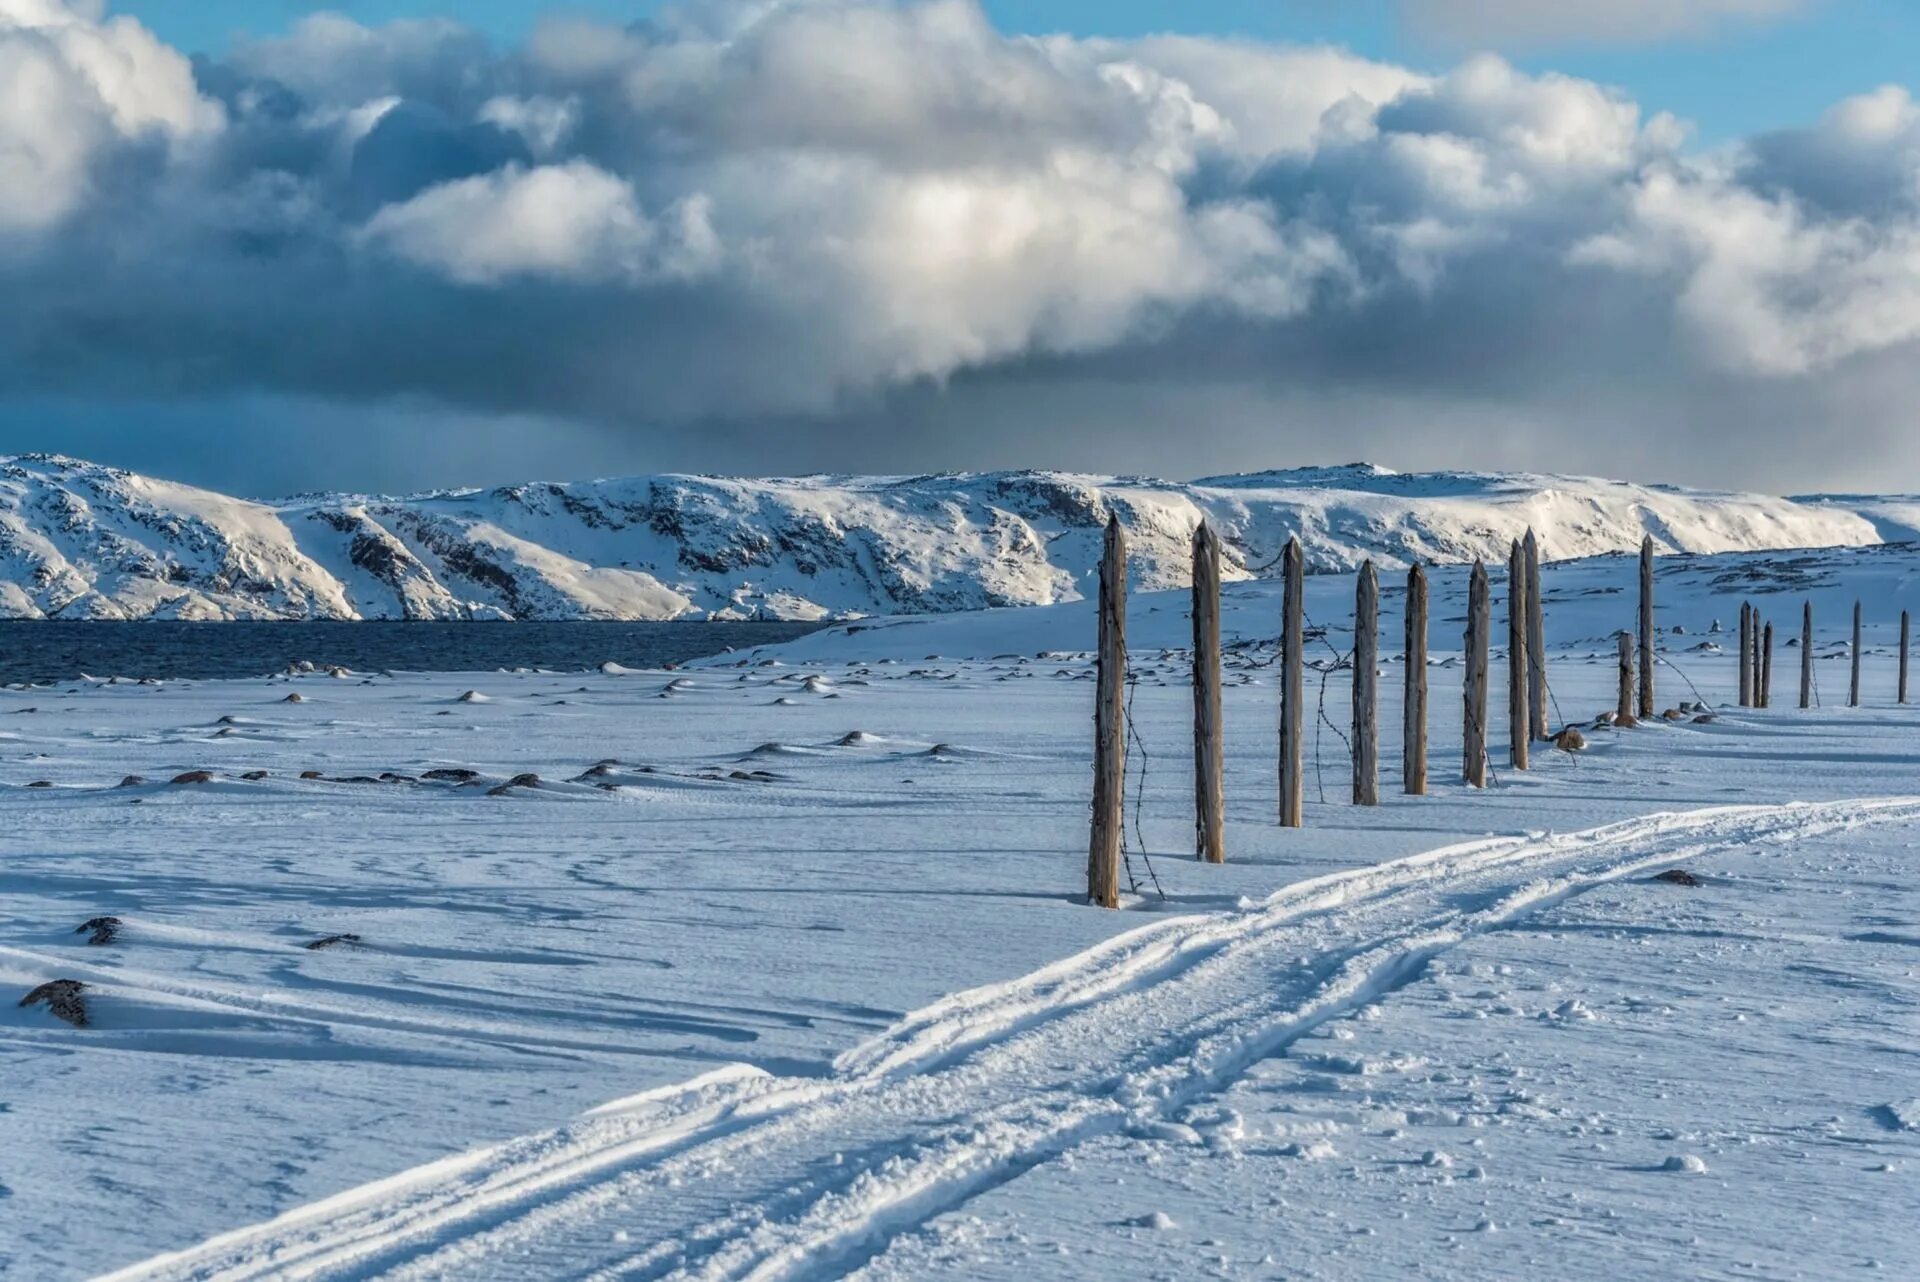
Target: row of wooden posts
1528	693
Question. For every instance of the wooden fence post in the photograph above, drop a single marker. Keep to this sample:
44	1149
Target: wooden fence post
1646	628
1366	688
1746	655
1903	656
1292	683
1109	721
1413	742
1766	666
1623	711
1853	688
1536	641
1519	720
1209	754
1806	655
1479	623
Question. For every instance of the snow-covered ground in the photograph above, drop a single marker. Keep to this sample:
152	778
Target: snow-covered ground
1462	1035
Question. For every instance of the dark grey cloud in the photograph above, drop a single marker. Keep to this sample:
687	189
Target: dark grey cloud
858	233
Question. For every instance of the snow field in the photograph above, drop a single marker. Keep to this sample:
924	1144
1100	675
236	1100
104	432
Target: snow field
859	876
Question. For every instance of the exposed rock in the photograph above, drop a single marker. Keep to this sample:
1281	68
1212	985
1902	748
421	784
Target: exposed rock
104	930
254	776
311	774
331	941
1677	877
62	997
451	775
41	783
295	697
194	776
132	781
1705	719
1570	740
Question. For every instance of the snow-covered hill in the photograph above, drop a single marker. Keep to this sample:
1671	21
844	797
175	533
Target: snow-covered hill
79	540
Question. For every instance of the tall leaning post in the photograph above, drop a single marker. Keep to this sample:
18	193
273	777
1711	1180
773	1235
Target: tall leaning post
1209	752
1853	686
1746	655
1903	656
1109	718
1473	751
1623	710
1292	683
1536	641
1806	655
1646	628
1519	720
1766	666
1366	688
1413	740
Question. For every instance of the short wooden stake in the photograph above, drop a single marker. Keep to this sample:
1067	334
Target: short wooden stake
1292	683
1536	641
1413	743
1853	687
1806	655
1519	720
1209	753
1109	725
1903	656
1646	628
1479	623
1366	688
1623	710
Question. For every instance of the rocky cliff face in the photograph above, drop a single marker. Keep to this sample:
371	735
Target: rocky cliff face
78	540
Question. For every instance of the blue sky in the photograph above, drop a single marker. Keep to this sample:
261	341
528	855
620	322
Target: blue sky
1736	78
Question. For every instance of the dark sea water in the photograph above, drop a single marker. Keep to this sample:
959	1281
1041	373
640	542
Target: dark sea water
53	651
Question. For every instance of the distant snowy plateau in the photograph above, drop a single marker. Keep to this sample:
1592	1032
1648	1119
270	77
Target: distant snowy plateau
83	541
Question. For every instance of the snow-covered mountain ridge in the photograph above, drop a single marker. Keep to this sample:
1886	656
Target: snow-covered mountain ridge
80	540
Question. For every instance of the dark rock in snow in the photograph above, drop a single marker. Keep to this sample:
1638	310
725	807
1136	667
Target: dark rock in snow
132	781
331	941
63	998
1677	877
104	930
451	775
194	776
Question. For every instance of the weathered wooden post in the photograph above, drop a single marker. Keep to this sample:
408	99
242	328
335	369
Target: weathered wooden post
1292	683
1646	628
1806	655
1536	641
1903	656
1209	753
1413	739
1766	666
1109	725
1623	711
1519	720
1746	655
1853	688
1479	623
1366	688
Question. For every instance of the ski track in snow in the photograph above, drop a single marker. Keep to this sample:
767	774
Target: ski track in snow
742	1174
